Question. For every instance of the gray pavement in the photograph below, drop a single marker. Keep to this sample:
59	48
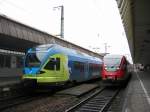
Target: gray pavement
138	93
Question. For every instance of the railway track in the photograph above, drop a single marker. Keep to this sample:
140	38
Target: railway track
97	102
10	102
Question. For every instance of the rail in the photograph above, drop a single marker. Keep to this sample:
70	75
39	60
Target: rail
97	102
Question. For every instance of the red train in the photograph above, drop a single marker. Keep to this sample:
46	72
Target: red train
115	69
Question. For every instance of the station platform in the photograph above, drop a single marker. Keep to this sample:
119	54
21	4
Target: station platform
79	90
11	87
10	82
137	98
10	76
4	81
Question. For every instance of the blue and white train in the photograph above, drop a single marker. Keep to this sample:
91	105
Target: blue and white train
52	63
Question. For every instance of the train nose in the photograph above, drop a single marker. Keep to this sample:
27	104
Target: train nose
31	70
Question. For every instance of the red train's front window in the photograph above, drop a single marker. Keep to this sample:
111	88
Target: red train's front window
111	64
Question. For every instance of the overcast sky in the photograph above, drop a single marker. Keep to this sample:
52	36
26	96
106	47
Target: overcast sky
88	23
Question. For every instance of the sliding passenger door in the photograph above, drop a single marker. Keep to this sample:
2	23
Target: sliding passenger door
57	67
86	71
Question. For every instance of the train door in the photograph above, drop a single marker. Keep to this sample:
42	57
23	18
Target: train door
86	71
78	71
57	67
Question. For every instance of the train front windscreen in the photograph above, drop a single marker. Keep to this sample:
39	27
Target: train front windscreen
111	64
34	59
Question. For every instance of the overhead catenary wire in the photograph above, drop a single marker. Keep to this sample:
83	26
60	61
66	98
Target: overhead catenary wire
15	6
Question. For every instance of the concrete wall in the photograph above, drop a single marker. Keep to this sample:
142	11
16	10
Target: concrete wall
125	8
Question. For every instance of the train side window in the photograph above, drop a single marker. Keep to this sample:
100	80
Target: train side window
51	64
91	67
79	66
100	67
97	67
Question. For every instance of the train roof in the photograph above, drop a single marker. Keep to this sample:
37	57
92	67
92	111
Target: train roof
70	52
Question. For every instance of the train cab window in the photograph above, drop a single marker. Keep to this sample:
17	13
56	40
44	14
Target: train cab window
53	64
